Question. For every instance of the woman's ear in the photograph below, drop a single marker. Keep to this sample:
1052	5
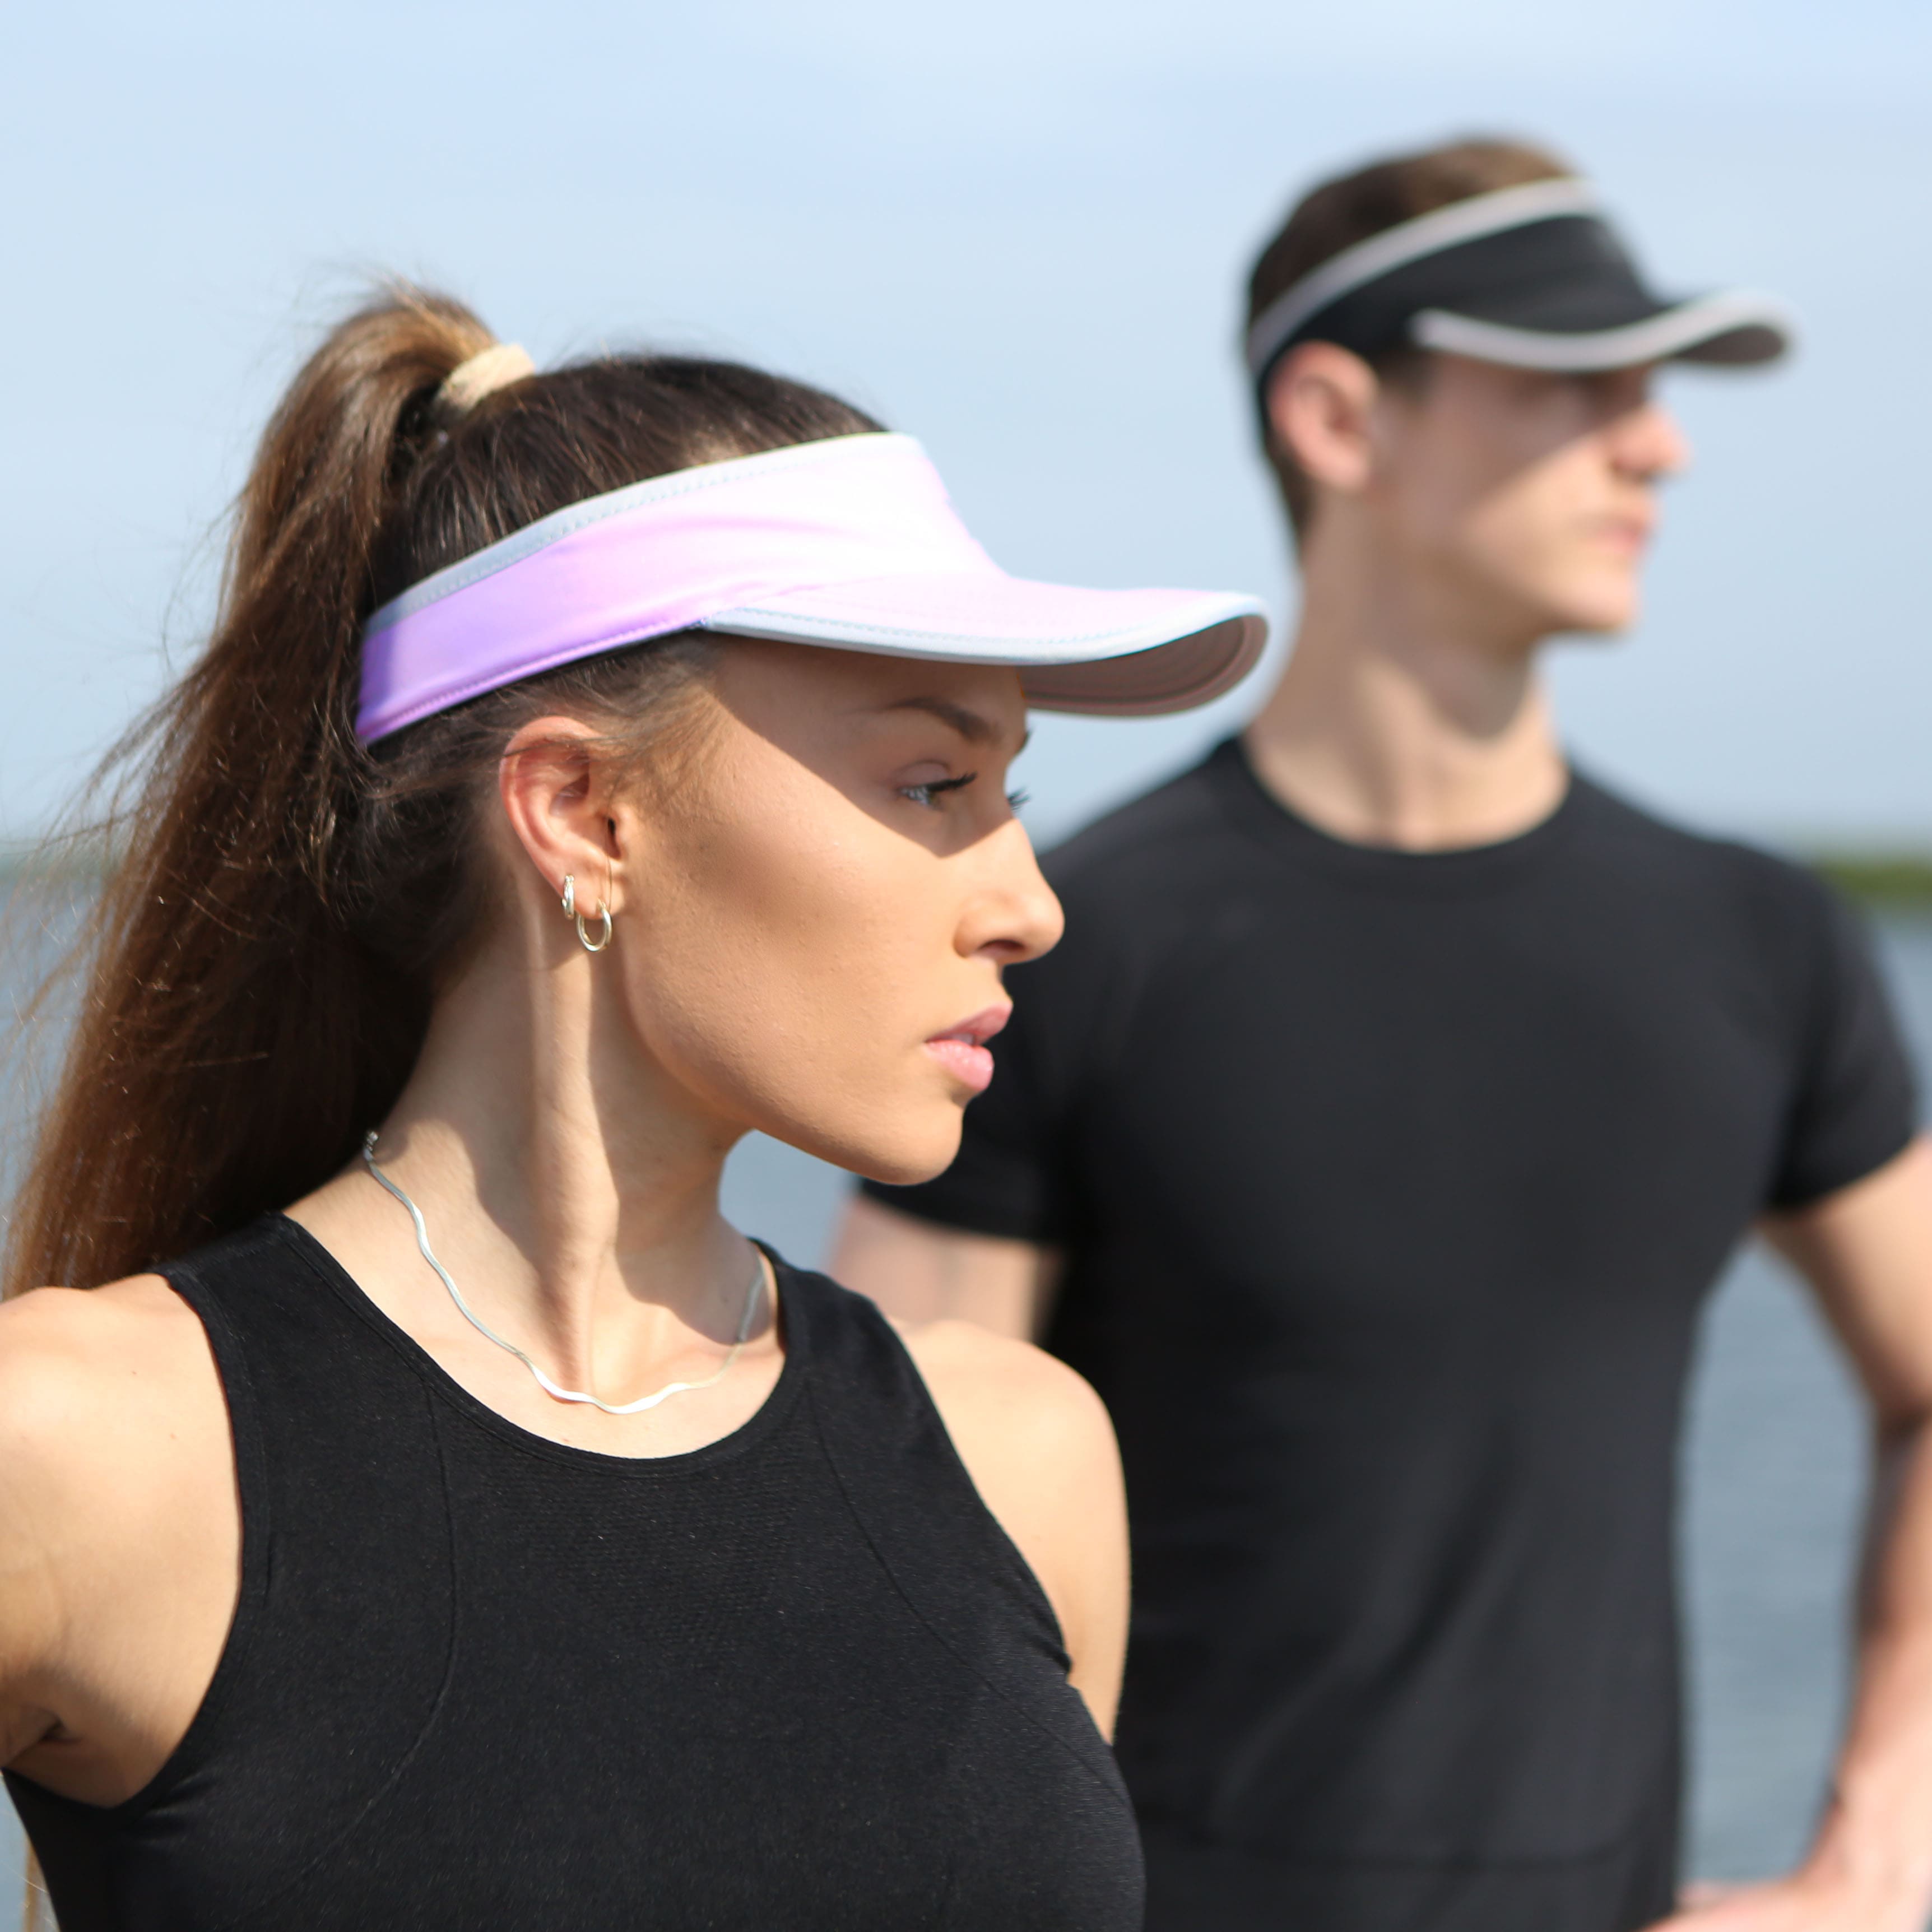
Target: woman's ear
1321	405
555	794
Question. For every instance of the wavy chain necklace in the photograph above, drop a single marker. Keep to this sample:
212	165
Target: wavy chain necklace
544	1382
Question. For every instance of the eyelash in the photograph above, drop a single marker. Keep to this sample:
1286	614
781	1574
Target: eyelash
925	794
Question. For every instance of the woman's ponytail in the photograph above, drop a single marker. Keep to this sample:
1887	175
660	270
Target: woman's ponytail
259	965
232	1030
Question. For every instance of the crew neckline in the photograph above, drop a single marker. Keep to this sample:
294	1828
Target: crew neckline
1288	834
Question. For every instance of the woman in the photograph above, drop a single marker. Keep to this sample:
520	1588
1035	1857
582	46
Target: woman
587	768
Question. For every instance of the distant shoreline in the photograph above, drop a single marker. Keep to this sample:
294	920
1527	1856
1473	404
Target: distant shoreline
1892	881
1895	882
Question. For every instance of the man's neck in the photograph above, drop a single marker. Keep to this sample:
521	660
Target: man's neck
1397	723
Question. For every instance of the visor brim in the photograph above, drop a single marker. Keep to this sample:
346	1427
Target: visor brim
1113	653
1737	328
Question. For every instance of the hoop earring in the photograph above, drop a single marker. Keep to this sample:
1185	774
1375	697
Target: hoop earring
582	933
570	911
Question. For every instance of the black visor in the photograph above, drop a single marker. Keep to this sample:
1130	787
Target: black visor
1533	278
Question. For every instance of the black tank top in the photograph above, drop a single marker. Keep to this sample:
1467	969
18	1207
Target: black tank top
480	1681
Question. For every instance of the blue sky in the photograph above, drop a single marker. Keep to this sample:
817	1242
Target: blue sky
1018	232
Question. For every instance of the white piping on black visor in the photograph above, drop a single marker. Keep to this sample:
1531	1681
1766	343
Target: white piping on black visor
1408	241
1655	339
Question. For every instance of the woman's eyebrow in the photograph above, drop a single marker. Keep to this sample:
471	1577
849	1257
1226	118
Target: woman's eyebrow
973	726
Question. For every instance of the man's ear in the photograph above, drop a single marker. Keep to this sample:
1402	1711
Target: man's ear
1320	405
553	786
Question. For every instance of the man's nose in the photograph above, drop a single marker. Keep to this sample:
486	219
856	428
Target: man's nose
1649	443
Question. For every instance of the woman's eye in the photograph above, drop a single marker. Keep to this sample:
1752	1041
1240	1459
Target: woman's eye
927	794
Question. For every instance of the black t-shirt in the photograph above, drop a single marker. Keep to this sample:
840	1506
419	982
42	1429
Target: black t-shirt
1390	1185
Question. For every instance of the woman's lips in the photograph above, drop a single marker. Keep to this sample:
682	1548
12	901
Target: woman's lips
961	1050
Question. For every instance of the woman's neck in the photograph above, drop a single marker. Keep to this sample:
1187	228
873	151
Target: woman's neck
569	1188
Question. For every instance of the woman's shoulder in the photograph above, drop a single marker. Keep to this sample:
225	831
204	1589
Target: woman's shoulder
64	1347
1038	1446
101	1389
1001	1400
119	1535
1006	1397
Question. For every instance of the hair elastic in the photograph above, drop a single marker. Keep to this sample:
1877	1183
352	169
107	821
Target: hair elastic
486	372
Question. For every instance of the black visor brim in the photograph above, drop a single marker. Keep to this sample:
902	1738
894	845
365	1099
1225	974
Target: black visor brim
1559	293
1736	329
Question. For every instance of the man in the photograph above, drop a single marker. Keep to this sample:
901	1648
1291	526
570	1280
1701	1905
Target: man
1374	1136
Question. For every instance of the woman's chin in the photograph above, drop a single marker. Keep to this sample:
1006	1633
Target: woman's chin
899	1153
908	1174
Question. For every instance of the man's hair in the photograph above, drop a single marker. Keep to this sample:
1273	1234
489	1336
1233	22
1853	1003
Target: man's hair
1336	214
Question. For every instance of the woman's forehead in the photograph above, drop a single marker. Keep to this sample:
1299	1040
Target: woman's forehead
984	703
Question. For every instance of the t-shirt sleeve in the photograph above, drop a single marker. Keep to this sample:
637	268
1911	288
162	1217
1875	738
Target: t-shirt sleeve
1855	1104
1008	1178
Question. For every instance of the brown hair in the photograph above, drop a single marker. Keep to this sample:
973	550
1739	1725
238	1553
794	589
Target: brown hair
1336	214
259	968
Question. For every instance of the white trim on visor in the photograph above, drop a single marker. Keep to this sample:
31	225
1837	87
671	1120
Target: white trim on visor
851	541
1655	339
1408	241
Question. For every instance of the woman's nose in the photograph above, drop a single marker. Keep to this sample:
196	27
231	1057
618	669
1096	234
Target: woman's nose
1015	915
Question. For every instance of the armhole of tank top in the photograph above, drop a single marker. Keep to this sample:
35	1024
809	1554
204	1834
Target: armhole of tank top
1077	1734
1000	1536
231	1370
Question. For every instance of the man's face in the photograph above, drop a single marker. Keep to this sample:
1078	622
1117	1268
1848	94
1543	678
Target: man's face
1529	498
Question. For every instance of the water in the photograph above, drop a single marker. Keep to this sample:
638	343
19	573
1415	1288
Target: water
1774	1469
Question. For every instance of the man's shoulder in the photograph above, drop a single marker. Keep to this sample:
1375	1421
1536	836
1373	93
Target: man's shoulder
1718	874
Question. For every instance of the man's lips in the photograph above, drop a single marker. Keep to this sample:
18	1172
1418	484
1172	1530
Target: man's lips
1629	534
961	1050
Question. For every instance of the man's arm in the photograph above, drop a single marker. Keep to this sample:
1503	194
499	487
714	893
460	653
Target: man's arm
1866	1252
919	1270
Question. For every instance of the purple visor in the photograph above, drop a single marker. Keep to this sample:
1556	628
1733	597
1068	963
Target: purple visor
851	543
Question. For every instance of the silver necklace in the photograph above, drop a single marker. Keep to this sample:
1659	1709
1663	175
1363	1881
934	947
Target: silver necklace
544	1382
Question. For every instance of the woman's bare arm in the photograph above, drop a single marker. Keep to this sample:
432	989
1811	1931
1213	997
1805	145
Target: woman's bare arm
120	1536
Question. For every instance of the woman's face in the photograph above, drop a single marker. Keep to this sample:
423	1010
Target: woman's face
813	918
